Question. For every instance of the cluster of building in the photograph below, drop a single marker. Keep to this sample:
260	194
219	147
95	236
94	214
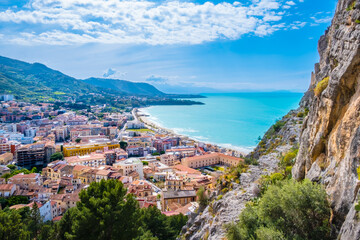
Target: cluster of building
161	169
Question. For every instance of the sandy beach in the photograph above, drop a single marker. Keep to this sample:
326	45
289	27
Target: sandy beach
143	117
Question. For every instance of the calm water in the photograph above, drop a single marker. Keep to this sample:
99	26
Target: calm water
233	120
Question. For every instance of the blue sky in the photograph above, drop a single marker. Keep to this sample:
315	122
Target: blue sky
179	46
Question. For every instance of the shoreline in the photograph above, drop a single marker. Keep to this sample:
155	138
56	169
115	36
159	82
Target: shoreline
144	117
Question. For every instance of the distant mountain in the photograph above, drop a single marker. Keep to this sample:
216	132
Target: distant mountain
36	81
29	81
127	87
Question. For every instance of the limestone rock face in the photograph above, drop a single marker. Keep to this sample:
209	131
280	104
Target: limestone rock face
330	140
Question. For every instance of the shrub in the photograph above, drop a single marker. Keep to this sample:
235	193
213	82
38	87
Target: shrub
225	190
321	86
288	170
264	233
219	197
202	197
357	21
56	156
357	207
275	177
251	161
300	114
288	159
291	210
351	6
306	111
278	125
267	180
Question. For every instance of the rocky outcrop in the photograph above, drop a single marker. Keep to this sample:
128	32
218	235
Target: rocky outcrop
329	150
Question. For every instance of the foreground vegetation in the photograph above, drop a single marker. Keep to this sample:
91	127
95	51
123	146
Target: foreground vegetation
105	211
287	210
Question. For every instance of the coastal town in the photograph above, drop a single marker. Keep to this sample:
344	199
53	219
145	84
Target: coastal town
48	154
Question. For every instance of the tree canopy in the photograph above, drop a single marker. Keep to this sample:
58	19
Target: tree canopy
56	156
105	211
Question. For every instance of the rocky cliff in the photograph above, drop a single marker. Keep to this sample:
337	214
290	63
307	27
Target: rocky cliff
330	140
327	132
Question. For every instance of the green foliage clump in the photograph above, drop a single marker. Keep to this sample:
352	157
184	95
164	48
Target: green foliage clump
351	6
306	111
235	172
24	223
278	125
300	114
220	197
289	210
14	171
12	226
123	145
267	180
225	190
56	156
202	197
276	177
358	172
13	200
357	21
287	161
251	161
321	86
357	207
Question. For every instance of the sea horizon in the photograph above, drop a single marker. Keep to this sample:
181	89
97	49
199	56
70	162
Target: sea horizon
230	120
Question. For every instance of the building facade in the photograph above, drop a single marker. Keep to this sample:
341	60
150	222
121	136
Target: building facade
210	159
80	150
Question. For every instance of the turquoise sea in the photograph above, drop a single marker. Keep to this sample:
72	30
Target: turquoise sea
233	120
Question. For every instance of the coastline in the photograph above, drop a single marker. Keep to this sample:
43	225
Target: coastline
143	116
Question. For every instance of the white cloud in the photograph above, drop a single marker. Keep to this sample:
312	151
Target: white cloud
321	20
113	73
156	79
160	79
62	22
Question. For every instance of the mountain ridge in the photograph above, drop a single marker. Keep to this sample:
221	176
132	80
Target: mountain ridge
125	86
36	80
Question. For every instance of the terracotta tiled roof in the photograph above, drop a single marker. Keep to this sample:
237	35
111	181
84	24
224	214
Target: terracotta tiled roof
6	187
56	219
19	176
182	168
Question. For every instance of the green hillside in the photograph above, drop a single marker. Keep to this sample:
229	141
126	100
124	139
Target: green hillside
36	81
128	87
